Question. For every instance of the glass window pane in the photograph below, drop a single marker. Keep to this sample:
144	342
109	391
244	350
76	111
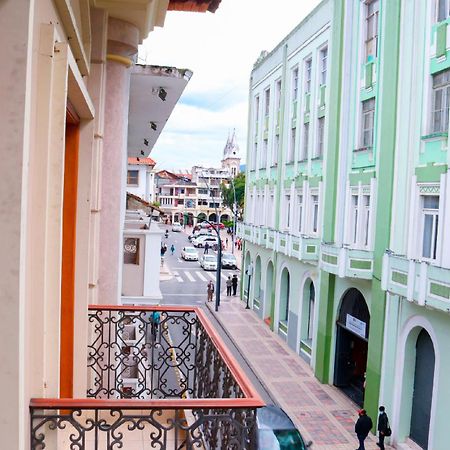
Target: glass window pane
431	202
427	235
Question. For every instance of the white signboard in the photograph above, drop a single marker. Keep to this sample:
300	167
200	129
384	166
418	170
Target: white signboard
356	325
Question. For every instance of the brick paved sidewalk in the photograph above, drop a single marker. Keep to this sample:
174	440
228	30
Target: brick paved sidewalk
321	412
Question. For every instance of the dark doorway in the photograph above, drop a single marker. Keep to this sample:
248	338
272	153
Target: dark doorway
351	345
423	390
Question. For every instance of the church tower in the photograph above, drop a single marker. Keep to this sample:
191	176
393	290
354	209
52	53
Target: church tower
231	155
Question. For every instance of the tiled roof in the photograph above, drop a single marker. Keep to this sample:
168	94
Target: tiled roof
194	5
142	161
143	202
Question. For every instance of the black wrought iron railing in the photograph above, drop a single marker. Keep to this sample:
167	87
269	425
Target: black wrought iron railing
161	372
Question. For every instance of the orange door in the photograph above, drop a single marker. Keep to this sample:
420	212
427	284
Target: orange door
68	253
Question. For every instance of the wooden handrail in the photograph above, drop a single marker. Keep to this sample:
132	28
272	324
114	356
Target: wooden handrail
96	403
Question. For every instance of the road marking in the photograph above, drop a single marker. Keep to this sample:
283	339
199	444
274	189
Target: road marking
200	275
189	276
179	279
180	260
224	276
175	273
212	276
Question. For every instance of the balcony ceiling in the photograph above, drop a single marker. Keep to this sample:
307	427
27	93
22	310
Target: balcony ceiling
144	14
146	106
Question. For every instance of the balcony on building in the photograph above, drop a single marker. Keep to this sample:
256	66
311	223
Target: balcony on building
417	281
157	377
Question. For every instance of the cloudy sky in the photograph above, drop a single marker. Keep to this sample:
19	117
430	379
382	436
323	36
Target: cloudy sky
220	49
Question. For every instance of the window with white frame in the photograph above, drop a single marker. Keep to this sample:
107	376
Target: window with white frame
287	211
429	223
276	148
251	218
278	95
442	10
255	155
371	41
320	136
440	102
263	162
291	146
308	69
256	111
300	213
354	218
312	299
314	213
323	65
365	219
294	83
267	102
304	152
272	209
367	122
258	209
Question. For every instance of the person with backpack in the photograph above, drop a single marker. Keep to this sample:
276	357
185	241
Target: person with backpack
206	251
155	319
383	427
172	249
362	427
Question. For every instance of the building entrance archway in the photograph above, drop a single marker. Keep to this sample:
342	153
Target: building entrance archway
352	333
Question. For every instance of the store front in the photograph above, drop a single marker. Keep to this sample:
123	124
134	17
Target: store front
352	332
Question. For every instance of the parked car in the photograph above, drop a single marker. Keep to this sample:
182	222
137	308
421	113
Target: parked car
201	240
196	234
215	225
189	254
208	262
229	261
276	431
177	227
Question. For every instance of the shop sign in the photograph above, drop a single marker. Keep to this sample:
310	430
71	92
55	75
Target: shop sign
356	325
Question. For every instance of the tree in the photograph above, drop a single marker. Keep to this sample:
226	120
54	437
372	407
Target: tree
228	194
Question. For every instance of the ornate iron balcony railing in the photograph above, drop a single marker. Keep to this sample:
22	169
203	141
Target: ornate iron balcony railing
159	371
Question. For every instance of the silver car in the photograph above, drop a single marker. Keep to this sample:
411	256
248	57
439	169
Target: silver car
189	254
208	262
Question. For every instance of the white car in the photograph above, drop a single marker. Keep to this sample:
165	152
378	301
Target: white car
208	262
201	241
177	227
189	254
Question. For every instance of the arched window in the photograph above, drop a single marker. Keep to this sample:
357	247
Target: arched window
284	296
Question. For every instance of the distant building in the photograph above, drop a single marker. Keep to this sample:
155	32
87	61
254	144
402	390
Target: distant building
141	178
189	197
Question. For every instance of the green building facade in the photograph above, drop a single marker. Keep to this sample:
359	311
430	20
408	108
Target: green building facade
347	221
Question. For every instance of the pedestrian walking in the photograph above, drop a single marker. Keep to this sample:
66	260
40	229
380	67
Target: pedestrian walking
229	284
172	249
210	290
362	427
155	319
383	427
234	283
206	252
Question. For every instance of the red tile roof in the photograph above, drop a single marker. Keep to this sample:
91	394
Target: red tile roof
143	161
194	5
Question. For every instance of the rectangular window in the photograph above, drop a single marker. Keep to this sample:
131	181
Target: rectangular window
131	251
291	148
278	94
257	108
442	10
287	204
299	212
371	43
323	65
263	162
315	212
304	154
354	219
320	136
366	212
368	118
294	84
430	218
276	147
308	69
441	100
267	102
133	178
255	155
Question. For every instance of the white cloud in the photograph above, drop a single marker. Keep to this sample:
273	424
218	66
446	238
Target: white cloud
220	49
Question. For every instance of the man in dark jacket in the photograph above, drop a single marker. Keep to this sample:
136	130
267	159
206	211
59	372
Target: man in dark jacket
362	427
383	426
234	282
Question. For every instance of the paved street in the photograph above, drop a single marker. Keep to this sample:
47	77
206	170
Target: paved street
322	413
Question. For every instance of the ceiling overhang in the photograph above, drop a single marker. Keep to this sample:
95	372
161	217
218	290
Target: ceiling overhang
148	112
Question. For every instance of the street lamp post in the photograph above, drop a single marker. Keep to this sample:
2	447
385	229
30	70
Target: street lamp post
249	272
